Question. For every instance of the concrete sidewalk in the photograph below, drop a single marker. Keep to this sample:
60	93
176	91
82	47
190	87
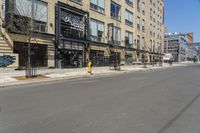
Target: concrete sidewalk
8	78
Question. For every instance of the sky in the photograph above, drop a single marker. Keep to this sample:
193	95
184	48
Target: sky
183	16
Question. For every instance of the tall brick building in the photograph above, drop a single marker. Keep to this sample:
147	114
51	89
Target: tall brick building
68	33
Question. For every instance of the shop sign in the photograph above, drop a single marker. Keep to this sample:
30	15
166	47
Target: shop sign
76	22
73	45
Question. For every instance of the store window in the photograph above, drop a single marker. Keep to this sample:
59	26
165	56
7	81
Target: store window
39	54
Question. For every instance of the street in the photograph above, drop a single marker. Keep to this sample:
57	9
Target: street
155	101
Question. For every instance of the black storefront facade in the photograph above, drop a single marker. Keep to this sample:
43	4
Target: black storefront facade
71	36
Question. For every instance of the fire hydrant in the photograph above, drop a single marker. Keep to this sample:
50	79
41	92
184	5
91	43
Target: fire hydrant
90	67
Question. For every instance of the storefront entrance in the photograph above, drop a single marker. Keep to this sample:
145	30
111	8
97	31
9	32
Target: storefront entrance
72	59
71	36
98	58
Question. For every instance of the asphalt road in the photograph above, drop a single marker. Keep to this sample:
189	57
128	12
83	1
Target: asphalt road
157	101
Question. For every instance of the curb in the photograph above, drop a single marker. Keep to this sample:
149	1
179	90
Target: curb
48	80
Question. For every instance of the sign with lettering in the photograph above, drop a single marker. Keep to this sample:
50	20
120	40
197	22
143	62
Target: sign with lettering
73	45
76	22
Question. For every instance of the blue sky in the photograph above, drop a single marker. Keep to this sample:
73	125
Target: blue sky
183	16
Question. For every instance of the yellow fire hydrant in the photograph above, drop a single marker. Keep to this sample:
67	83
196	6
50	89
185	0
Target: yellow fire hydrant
90	67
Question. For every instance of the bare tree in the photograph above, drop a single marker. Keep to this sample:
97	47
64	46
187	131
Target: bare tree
27	17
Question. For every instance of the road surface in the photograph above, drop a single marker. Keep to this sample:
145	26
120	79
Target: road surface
157	101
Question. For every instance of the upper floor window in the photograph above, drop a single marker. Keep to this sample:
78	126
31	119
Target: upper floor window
138	5
128	39
138	42
129	2
98	5
23	13
143	25
129	18
115	11
78	1
143	8
142	43
114	35
138	23
151	14
96	30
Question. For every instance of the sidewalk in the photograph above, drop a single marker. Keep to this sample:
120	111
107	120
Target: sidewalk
8	78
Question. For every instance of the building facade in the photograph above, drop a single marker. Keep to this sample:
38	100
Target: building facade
196	45
180	46
71	32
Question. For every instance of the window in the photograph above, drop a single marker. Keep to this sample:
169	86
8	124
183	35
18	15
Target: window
128	39
153	46
143	25
138	23
143	8
115	11
138	41
114	35
151	29
142	43
129	18
97	5
117	34
151	14
23	8
96	30
138	5
154	16
129	2
22	15
78	1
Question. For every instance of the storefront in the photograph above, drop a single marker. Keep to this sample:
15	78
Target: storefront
71	36
39	54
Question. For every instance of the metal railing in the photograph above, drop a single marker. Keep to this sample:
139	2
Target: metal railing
5	35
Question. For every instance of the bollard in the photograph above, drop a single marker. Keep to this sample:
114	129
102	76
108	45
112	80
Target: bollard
90	67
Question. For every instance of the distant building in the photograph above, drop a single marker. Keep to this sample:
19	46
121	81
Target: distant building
181	46
176	44
190	37
197	46
192	53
